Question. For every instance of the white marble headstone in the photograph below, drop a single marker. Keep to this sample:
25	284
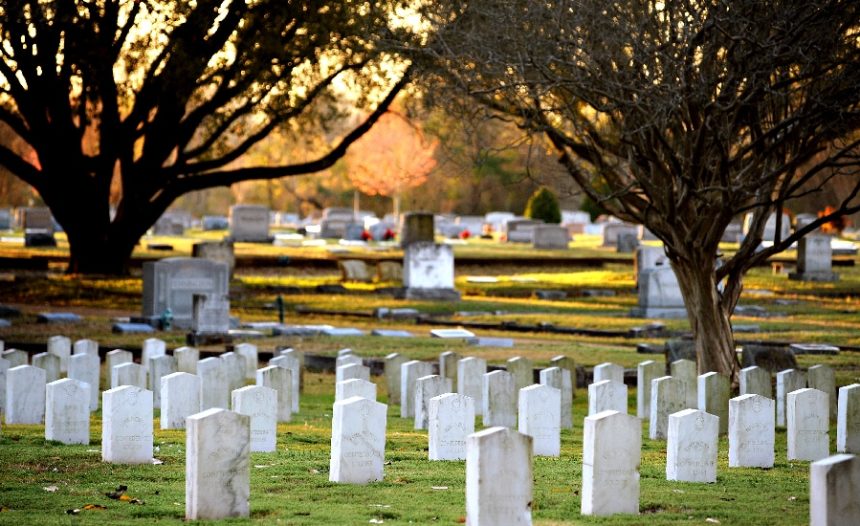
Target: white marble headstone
834	484
352	370
448	367
499	400
452	418
786	382
756	380
357	441
4	369
159	367
281	380
50	363
523	371
127	425
410	372
67	412
116	357
470	379
646	372
823	378
560	378
214	388
499	478
713	392
607	395
25	395
751	431
354	387
187	359
691	447
234	370
128	374
807	424
428	387
685	372
61	347
612	446
294	365
249	352
667	397
85	368
393	362
152	348
608	371
848	420
261	405
180	398
15	357
540	418
86	346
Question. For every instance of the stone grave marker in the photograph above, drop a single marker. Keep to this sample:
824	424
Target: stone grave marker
50	363
248	351
127	425
786	382
499	399
217	465
540	418
813	348
281	380
550	237
834	483
218	251
499	478
15	357
152	348
612	446
714	391
86	346
210	314
823	378
451	333
301	358
659	294
428	272
522	370
357	441
560	379
353	370
751	431
60	346
667	397
393	362
25	395
428	387
451	419
612	231
354	387
627	243
187	359
814	259
38	226
566	362
128	374
67	412
114	358
171	283
448	367
4	369
214	389
354	270
646	372
608	371
291	362
410	372
159	367
807	424
249	223
470	379
180	398
260	404
85	368
772	359
234	369
691	446
417	227
756	380
685	372
521	230
607	395
848	420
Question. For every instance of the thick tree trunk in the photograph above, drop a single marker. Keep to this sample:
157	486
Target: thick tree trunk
709	319
108	254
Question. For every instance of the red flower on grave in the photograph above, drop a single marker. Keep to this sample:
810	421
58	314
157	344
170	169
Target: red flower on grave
465	234
365	235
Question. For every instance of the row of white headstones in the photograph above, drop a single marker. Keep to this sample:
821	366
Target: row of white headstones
612	439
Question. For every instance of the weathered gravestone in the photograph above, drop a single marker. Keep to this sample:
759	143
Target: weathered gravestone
50	363
428	387
180	398
218	251
470	378
451	420
354	387
86	346
417	227
713	397
648	257
522	370
214	390
393	363
848	420
128	374
550	237
85	368
691	447
410	372
627	242
152	348
807	424
608	371
646	372
612	446
281	380
4	369
15	357
685	372
667	397
499	399
607	395
448	367
814	259
159	367
187	359
786	382
428	272
127	425
823	378
234	370
613	231
354	270
521	230
211	223
217	465
756	380
210	314
171	283
248	351
540	418
499	478
834	484
249	223
67	412
38	225
260	404
353	370
294	365
357	441
751	432
659	294
560	379
25	395
60	346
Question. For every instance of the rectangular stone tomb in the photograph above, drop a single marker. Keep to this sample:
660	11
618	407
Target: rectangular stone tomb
807	425
428	387
217	465
127	425
607	395
260	404
452	418
180	398
540	418
691	447
428	271
612	446
499	478
813	348
249	223
834	484
751	431
357	441
451	333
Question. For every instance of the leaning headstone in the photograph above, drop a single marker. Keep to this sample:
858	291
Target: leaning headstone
612	447
814	259
50	363
159	367
355	387
214	390
357	441
114	358
428	272
522	370
714	391
281	380
353	370
540	418
646	372
448	367
15	357
823	378
786	382
607	395
248	351
756	380
667	397
260	404
187	359
61	346
180	398
393	362
127	425
691	446
217	465
171	283
848	420
751	432
410	372
685	372
86	346
470	379
560	379
834	483
807	424
152	348
291	362
85	368
428	387
608	371
499	399
128	374
25	395
499	478
249	223
67	412
452	418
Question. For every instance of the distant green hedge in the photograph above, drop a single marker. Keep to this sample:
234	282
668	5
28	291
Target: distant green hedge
543	205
